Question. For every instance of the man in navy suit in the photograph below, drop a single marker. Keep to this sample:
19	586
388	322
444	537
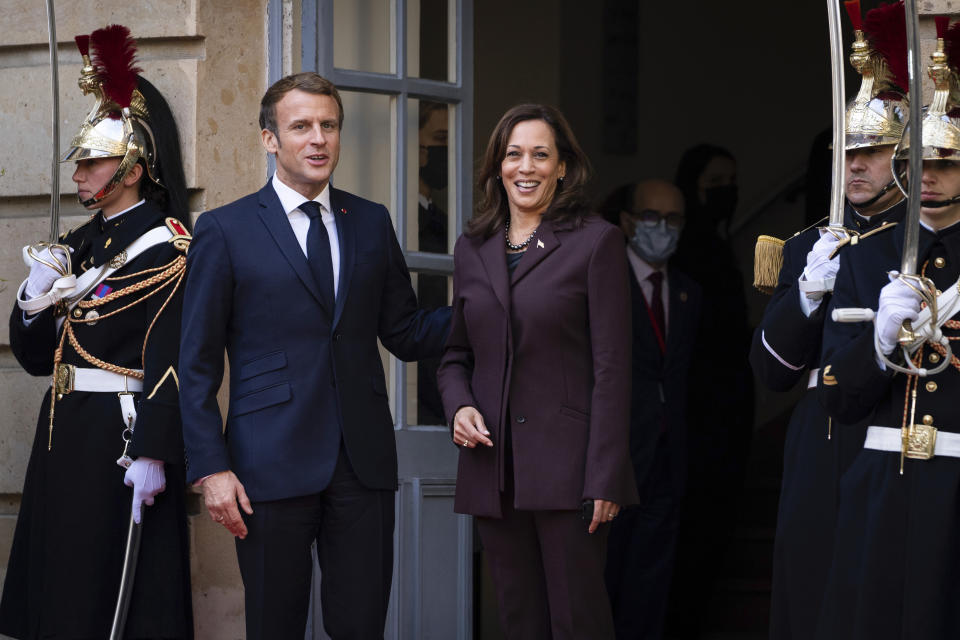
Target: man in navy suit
296	283
666	314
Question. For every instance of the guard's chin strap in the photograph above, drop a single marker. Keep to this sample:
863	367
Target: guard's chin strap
937	204
872	201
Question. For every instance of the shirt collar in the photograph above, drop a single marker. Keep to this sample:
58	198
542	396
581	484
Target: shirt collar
120	213
291	200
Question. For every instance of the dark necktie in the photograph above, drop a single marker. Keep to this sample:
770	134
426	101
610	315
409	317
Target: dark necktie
656	308
318	251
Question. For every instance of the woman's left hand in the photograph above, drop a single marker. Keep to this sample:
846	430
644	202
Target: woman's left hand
603	511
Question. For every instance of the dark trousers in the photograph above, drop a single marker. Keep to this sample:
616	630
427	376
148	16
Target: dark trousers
548	574
353	529
640	552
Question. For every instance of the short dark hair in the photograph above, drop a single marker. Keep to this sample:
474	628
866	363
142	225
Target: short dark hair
569	201
307	81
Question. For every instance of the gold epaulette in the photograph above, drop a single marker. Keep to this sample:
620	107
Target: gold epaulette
856	238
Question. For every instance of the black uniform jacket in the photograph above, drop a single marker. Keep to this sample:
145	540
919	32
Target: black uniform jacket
896	562
68	548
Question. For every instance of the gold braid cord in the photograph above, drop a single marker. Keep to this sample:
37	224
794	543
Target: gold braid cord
163	277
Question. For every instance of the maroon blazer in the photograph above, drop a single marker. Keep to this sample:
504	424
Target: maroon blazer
552	344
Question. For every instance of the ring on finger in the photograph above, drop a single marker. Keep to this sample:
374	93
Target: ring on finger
465	442
219	518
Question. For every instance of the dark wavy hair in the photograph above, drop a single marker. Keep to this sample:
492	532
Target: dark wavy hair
569	202
172	197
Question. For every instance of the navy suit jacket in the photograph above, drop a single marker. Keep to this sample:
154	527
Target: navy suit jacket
302	376
660	385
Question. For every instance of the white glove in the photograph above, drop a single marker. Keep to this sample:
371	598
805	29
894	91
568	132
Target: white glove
146	477
898	302
42	276
821	269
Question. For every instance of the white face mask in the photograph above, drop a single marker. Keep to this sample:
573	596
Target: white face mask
654	244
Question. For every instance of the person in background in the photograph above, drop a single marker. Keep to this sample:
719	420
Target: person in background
535	379
666	316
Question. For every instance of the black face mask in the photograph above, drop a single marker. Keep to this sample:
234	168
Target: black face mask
435	173
721	202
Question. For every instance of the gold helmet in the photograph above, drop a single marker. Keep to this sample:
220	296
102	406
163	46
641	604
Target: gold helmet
118	125
877	115
940	127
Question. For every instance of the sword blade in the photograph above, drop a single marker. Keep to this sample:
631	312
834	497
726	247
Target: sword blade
55	130
911	238
126	580
837	65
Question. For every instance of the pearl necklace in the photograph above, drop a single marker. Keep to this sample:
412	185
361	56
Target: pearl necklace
522	245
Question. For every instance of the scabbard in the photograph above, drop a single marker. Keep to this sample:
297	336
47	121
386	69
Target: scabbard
127	578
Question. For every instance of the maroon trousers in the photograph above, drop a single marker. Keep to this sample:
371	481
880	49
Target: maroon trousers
548	573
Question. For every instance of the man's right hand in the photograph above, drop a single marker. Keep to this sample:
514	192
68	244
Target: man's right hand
221	492
898	302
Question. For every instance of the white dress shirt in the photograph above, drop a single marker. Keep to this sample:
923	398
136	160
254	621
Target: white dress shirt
642	270
291	200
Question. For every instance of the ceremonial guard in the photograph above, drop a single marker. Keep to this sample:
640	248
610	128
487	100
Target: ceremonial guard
786	345
896	562
100	312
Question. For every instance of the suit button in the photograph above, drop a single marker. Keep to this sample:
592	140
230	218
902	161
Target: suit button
931	386
521	419
934	358
928	419
939	263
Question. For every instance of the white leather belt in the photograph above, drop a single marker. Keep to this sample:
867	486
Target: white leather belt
891	439
812	380
70	378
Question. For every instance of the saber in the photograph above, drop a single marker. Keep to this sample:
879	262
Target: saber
911	238
55	103
127	578
837	191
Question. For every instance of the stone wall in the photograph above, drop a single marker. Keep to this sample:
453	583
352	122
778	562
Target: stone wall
209	58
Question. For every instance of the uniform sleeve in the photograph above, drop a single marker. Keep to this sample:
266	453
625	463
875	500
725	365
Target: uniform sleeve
33	344
787	341
158	433
608	469
408	332
851	383
207	308
456	366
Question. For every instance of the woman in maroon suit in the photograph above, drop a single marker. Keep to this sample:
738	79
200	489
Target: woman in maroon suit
535	379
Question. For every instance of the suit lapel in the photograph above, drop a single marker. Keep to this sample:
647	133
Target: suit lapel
493	256
273	217
346	231
543	244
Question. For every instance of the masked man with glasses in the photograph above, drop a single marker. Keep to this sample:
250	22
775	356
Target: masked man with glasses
666	314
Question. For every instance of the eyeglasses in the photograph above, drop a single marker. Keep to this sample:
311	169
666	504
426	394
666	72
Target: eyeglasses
651	218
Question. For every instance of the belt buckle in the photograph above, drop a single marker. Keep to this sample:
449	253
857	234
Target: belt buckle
65	378
920	441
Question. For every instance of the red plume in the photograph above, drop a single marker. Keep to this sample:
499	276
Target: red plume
942	23
114	57
886	28
83	43
853	10
951	41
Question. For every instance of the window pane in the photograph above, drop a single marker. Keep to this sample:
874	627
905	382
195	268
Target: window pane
423	398
430	183
363	35
429	40
366	166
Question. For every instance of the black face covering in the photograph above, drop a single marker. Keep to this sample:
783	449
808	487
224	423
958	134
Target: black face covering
721	202
435	173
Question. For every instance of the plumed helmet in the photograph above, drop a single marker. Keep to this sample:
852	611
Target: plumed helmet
118	125
878	114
